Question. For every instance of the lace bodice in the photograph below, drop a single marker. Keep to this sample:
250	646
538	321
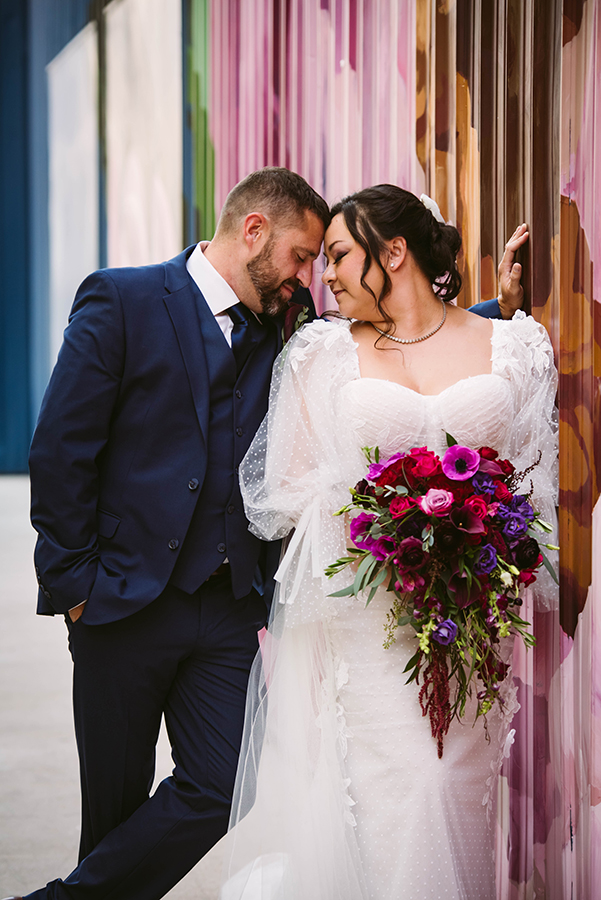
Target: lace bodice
477	411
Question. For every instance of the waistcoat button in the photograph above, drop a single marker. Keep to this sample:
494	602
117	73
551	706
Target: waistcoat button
238	393
231	509
173	544
221	548
239	431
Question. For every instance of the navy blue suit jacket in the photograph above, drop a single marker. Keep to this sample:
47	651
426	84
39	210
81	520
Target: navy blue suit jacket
121	439
488	309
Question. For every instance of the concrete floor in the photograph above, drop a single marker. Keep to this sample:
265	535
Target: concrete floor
39	795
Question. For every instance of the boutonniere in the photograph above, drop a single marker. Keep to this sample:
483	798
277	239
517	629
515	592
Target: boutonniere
295	316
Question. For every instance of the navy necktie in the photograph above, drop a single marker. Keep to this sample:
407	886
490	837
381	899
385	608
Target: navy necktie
242	340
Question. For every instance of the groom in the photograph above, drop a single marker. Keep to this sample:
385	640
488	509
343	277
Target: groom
159	388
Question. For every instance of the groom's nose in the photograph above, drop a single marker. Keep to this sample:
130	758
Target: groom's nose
305	273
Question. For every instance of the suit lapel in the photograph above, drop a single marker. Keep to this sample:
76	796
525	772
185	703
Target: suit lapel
182	306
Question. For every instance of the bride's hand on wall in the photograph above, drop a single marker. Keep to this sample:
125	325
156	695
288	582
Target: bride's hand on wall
511	292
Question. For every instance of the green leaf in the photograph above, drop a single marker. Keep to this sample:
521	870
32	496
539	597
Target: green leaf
345	592
364	572
404	620
376	584
413	661
450	439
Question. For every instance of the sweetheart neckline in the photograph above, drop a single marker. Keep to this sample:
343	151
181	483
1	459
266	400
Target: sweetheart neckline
440	393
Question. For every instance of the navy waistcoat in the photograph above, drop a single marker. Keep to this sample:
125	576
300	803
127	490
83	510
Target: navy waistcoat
219	528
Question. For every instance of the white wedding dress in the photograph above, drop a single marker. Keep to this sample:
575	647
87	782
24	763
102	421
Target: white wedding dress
340	793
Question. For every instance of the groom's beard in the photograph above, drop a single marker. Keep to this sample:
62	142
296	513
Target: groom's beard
266	281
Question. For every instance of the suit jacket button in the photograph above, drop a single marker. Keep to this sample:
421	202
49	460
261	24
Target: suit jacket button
239	394
231	509
239	431
173	544
193	484
221	548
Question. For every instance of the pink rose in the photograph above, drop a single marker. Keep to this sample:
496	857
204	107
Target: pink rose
401	505
436	502
478	506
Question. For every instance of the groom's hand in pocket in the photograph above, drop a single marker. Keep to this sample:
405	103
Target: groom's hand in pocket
76	611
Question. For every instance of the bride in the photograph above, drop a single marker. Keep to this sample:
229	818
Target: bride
340	792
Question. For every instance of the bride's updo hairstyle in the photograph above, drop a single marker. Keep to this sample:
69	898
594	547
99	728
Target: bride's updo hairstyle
385	211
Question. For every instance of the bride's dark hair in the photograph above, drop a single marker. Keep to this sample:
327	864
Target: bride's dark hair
385	211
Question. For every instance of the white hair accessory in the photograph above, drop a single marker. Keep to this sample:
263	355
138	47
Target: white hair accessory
432	205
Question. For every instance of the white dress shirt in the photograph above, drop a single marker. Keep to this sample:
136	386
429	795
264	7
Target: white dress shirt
215	289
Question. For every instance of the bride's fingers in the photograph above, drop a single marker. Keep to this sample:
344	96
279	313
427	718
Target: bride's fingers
517	239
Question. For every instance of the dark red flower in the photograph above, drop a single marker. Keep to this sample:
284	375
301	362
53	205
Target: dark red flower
399	473
488	453
448	539
506	467
498	542
458	586
526	578
526	553
502	492
427	462
409	554
466	520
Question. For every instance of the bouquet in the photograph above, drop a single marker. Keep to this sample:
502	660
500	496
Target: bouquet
456	541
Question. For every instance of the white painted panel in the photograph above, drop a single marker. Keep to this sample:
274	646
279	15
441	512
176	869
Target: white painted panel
144	130
73	174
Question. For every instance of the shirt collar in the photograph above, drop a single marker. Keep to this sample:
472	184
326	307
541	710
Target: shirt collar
214	288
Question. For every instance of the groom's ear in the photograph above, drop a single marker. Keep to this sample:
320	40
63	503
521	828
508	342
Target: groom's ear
255	230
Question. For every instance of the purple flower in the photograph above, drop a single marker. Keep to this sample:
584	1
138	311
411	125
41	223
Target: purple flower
520	505
483	483
487	560
446	632
515	525
376	469
460	463
381	548
359	528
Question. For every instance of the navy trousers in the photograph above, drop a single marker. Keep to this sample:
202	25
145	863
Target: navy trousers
189	657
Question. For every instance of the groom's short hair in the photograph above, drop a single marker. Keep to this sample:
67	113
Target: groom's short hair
281	194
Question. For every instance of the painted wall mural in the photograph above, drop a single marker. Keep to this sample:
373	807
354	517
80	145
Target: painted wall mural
490	108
